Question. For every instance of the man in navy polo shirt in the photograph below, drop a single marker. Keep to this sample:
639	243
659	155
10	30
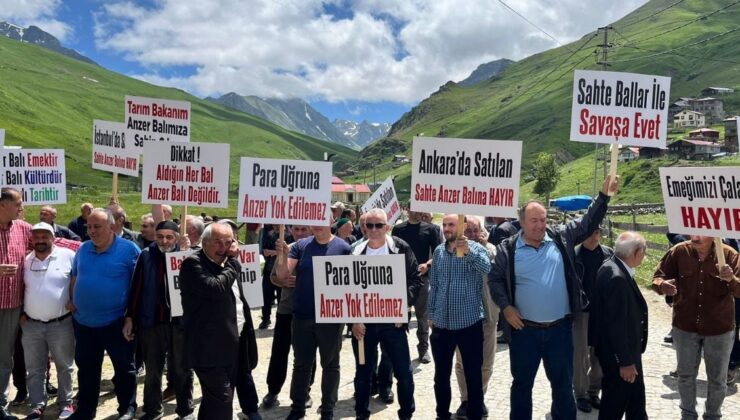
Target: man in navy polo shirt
101	277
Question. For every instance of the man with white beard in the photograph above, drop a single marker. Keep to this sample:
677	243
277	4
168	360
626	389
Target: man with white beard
148	317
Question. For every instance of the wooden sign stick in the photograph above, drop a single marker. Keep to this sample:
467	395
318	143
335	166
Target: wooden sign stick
114	197
614	159
460	231
183	221
361	351
281	232
719	252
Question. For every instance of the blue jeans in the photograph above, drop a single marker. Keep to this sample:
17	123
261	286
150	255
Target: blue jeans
396	347
553	346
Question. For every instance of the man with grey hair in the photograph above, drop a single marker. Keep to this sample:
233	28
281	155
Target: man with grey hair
119	218
618	330
79	224
48	214
194	228
101	278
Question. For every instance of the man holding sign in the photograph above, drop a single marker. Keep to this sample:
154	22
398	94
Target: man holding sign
392	336
534	281
456	315
703	316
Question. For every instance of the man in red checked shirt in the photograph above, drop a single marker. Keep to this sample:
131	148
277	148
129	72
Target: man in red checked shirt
15	238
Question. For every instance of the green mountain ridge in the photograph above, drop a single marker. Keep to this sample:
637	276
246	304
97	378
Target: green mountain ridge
693	41
49	101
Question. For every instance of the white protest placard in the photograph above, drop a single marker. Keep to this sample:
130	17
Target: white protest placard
702	201
154	119
280	191
466	176
38	174
385	198
173	262
360	288
112	151
251	274
186	174
2	138
628	108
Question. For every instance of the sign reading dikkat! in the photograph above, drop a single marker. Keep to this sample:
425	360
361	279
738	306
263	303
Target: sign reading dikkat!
37	173
111	150
152	119
466	176
174	261
282	191
251	274
385	198
702	201
628	108
186	174
361	288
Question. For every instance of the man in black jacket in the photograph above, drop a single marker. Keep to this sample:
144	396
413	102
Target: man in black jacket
392	337
213	346
618	330
535	283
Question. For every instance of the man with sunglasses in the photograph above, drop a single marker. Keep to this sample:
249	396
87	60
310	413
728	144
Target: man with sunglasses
392	337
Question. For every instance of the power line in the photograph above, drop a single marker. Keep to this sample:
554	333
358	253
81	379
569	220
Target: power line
532	23
642	57
719	60
654	14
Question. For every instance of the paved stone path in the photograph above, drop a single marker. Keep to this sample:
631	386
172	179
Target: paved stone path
659	359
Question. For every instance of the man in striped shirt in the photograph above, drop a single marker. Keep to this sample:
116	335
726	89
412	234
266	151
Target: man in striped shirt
15	238
456	315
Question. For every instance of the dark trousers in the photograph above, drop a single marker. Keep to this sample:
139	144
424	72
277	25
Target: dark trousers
383	373
91	343
470	342
554	347
307	337
217	387
19	365
735	355
619	397
245	389
270	293
396	347
277	370
157	342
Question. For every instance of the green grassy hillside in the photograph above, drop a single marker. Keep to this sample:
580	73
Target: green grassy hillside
531	99
49	101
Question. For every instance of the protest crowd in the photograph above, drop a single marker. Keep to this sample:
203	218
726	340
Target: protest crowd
71	295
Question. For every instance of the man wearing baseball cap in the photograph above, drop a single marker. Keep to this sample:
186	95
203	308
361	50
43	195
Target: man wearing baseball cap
46	320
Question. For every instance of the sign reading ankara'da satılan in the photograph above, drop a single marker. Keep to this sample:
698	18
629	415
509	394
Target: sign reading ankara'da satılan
628	108
38	174
280	191
360	288
385	198
112	151
152	119
702	201
250	276
186	174
466	176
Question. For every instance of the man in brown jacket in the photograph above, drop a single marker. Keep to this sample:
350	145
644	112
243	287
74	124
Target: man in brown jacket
703	317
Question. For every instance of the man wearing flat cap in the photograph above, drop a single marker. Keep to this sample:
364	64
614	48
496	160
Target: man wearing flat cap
148	319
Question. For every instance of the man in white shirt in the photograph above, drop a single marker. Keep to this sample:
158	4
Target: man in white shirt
46	321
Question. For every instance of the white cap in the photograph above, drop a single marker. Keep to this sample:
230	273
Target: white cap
43	226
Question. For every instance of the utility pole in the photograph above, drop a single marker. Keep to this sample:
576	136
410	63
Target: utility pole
604	65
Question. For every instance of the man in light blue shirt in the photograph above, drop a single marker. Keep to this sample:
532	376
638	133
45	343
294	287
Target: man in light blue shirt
456	315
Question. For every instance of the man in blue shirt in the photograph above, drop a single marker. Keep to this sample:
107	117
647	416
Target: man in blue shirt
456	316
101	277
535	282
307	334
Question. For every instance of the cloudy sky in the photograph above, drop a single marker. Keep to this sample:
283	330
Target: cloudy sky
371	59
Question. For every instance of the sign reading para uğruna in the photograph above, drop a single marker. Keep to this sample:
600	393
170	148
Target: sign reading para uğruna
112	151
385	198
174	261
153	119
360	288
186	174
251	275
283	191
38	174
466	176
702	201
628	108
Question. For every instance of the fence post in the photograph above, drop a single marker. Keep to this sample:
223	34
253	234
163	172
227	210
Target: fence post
634	218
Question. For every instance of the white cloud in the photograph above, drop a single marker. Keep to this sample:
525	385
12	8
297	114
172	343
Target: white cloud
388	50
40	13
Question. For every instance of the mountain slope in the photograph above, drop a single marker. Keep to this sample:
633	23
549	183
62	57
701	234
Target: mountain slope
531	99
35	35
294	114
49	101
486	71
362	133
